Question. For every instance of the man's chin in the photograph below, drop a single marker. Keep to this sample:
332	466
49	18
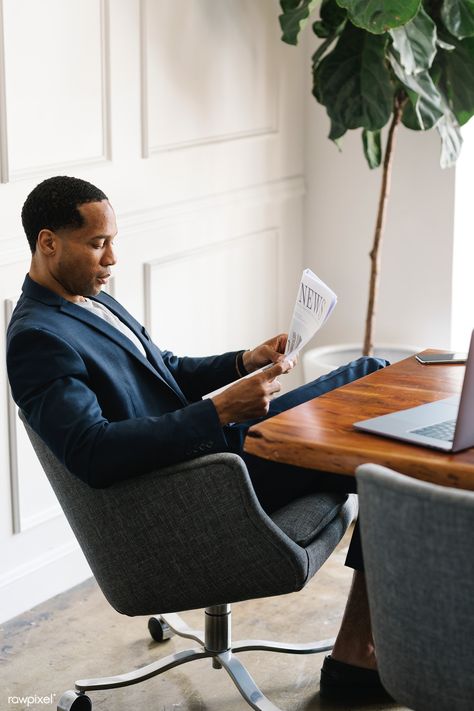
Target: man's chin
92	290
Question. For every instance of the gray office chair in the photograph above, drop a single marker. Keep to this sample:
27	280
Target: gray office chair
194	536
418	541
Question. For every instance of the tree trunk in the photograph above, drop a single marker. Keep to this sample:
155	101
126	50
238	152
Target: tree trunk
375	253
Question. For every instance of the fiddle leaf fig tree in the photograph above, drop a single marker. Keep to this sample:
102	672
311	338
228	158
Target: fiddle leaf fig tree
389	63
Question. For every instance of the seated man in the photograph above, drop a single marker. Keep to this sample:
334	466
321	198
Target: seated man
111	405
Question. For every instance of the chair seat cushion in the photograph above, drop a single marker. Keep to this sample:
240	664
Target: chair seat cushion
303	519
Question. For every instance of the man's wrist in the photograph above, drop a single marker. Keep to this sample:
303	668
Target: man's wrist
221	405
240	365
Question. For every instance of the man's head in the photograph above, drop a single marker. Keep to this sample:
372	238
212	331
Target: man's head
54	204
70	226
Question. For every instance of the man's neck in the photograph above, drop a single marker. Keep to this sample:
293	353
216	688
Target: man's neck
49	282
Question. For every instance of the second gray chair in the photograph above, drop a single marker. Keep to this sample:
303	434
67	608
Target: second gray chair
418	541
194	536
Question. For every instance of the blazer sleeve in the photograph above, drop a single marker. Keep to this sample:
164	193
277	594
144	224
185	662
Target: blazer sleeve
198	376
53	389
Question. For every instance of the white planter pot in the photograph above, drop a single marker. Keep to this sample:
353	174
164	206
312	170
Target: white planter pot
319	361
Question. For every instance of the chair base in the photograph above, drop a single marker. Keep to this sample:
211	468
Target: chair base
215	643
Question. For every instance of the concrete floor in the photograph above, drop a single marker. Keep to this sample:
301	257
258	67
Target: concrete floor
78	635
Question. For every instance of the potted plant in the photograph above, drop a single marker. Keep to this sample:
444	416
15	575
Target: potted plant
389	63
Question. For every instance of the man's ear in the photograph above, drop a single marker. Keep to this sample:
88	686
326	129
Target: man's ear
46	242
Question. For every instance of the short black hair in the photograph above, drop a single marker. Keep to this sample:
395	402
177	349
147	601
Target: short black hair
53	204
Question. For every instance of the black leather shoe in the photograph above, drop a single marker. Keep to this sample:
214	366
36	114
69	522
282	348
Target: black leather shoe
346	682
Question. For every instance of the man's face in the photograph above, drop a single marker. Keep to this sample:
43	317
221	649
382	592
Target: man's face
83	256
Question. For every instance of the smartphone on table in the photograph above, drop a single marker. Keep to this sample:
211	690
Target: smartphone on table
433	358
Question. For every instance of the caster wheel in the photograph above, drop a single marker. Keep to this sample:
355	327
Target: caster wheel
73	701
159	630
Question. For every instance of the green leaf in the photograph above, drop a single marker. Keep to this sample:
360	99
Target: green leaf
320	29
457	78
330	27
410	117
458	17
415	108
353	81
321	51
378	16
371	141
445	45
332	18
337	131
416	43
430	105
451	140
294	18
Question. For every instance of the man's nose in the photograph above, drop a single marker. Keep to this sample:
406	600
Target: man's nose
109	258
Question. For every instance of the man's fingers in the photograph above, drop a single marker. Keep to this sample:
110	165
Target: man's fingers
270	373
276	387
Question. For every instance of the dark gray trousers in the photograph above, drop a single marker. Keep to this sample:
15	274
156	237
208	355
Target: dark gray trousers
276	484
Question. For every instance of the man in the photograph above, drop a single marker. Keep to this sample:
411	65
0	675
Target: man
111	405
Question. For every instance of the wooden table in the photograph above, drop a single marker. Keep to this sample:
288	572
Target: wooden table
319	433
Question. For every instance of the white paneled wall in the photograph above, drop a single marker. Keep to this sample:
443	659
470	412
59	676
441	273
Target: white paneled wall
189	116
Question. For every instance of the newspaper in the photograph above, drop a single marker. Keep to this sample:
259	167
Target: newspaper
314	304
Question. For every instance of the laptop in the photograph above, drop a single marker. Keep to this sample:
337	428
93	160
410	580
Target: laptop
445	424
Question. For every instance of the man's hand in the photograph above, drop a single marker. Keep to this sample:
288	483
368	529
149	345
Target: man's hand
250	397
269	352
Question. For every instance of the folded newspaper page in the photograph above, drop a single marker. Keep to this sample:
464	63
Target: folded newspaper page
314	304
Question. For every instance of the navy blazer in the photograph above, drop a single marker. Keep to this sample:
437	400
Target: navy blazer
106	411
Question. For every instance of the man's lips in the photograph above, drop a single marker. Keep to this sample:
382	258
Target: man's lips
103	279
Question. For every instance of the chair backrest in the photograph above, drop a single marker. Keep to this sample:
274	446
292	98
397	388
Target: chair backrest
187	536
418	543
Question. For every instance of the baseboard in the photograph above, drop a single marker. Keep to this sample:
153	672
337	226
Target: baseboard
41	578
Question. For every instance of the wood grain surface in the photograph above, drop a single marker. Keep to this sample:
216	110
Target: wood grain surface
320	435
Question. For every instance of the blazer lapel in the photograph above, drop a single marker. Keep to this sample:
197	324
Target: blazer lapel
115	335
140	332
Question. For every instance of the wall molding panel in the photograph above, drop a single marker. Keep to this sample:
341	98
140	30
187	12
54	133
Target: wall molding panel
3	106
10	142
267	127
144	80
253	195
203	321
106	79
40	575
25	470
12	442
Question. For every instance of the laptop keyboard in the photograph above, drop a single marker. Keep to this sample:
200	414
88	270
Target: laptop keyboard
442	430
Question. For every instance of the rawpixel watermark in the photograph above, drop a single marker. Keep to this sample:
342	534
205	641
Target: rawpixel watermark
36	700
31	700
